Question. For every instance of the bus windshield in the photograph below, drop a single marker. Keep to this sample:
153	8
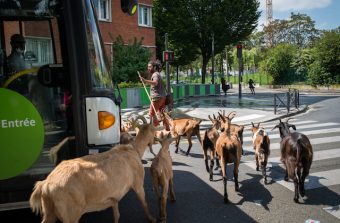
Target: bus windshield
98	62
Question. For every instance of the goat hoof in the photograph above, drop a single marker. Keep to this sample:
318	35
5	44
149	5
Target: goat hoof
296	200
226	201
302	193
286	178
211	179
257	168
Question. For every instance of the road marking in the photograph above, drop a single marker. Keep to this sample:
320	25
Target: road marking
315	141
315	180
312	132
333	210
318	155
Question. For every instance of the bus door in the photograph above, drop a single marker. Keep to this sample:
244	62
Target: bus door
56	92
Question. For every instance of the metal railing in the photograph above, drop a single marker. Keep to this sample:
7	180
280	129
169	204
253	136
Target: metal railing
287	100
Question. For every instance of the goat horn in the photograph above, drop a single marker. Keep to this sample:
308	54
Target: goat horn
252	124
231	115
274	127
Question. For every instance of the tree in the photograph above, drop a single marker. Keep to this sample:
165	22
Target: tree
298	30
128	59
192	24
278	63
325	69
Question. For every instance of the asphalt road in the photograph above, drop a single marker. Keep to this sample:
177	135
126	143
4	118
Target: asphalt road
200	200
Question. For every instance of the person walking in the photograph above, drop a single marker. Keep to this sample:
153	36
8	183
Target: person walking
251	86
157	93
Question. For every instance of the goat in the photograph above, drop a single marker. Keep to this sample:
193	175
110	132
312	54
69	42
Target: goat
209	144
162	175
127	138
296	154
236	130
184	127
93	182
261	144
228	149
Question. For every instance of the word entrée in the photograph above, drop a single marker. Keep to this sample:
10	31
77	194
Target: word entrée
17	123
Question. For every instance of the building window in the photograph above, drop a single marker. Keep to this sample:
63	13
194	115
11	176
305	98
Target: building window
103	9
41	48
144	15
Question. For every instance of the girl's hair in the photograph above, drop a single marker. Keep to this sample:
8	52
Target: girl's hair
156	64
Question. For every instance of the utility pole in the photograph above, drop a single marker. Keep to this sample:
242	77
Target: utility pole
213	60
239	56
167	73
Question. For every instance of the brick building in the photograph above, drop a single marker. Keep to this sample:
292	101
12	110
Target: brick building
114	22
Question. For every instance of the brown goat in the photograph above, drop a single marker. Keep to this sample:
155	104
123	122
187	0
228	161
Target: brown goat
184	127
296	155
209	144
235	129
162	175
94	182
229	150
261	144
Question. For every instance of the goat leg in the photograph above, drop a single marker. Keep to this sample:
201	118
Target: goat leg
236	176
190	145
225	190
116	214
163	203
139	190
217	163
172	190
302	182
257	162
264	174
177	143
211	168
296	187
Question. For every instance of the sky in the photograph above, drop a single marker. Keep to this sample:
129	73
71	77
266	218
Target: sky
325	13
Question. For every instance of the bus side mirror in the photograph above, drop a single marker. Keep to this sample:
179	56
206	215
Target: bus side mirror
52	75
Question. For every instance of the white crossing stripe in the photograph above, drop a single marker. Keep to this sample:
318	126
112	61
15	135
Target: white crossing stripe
312	132
316	180
315	141
335	211
318	155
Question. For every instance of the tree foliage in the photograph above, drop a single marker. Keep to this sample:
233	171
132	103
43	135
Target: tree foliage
192	24
325	69
128	59
298	30
278	63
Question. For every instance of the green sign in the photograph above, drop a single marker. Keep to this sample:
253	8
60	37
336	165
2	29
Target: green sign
21	134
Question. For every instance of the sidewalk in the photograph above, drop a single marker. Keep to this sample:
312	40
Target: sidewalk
249	108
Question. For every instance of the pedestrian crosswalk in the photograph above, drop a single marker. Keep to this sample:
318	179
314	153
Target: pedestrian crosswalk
325	139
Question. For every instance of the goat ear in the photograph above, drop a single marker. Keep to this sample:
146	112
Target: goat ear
293	127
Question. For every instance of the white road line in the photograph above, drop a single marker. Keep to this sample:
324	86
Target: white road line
312	132
315	141
318	155
316	180
333	210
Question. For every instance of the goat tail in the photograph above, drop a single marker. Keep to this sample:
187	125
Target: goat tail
36	197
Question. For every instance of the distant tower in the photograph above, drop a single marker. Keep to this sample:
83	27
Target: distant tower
269	20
